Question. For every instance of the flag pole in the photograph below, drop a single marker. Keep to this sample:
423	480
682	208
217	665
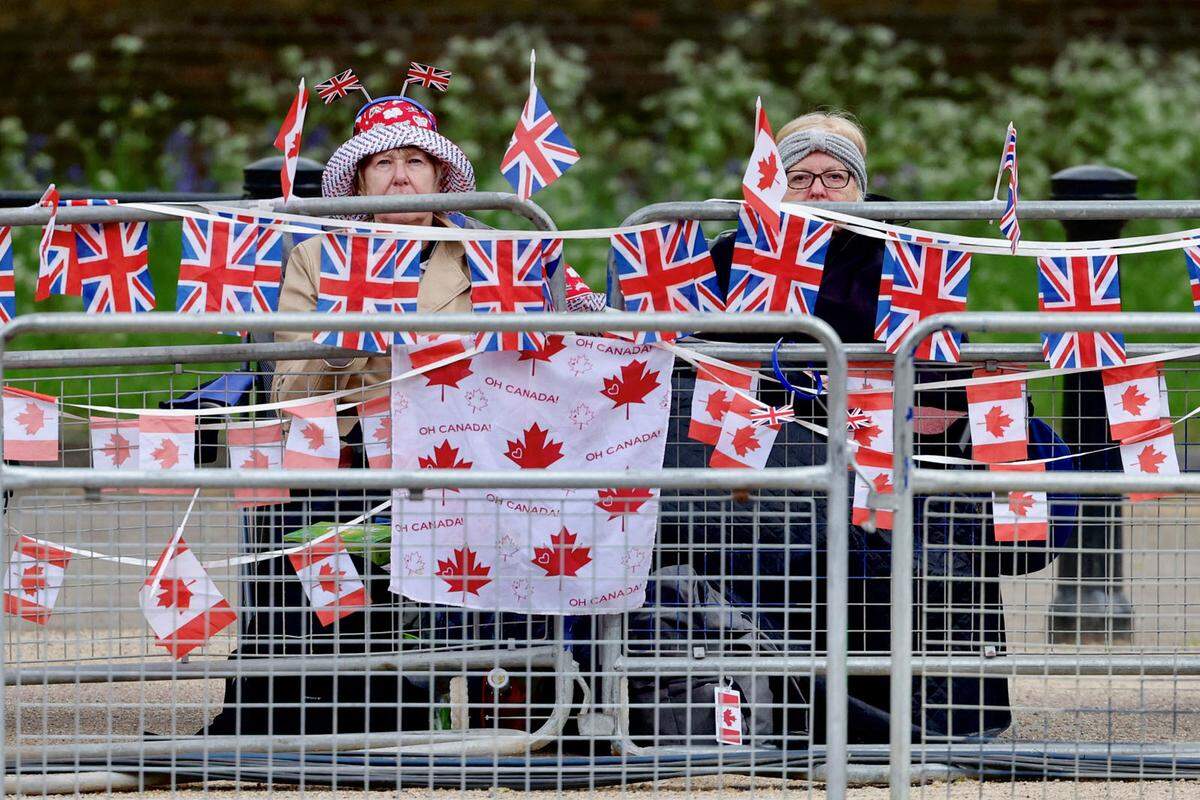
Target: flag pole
404	88
999	172
363	89
532	64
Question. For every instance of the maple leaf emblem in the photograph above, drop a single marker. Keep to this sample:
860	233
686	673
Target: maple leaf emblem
32	418
744	440
506	547
582	415
1020	503
329	579
166	454
256	459
477	400
883	483
1150	459
729	718
562	558
33	580
314	434
717	404
579	364
117	449
631	386
520	588
449	375
534	449
996	421
174	593
549	349
414	564
1132	401
383	431
866	433
622	501
445	456
463	573
634	558
768	171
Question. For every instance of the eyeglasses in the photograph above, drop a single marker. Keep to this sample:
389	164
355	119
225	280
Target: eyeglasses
833	179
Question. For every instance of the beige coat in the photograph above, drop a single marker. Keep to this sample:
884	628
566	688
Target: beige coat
445	287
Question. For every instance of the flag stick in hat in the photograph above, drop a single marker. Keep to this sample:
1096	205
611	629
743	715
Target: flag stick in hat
426	75
340	85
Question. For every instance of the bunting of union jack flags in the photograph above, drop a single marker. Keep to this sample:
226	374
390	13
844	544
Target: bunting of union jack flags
407	283
926	280
506	278
781	274
114	267
357	274
8	280
1081	283
216	267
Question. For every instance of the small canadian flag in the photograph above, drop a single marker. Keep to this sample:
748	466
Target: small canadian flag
1021	516
997	419
181	603
870	420
30	425
330	579
1132	398
875	467
728	715
312	441
862	375
256	446
436	347
713	396
764	184
35	575
743	444
375	419
1151	453
114	443
166	444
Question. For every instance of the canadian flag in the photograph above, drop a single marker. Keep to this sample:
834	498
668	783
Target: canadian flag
435	348
35	575
375	419
114	443
256	446
870	420
330	579
997	420
729	715
862	375
166	444
1021	516
1151	453
713	396
764	184
312	441
30	425
743	443
181	603
288	139
875	467
1132	398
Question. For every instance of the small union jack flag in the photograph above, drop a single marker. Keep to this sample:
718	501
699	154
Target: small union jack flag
926	280
1081	283
883	308
506	278
661	269
216	268
114	267
268	269
357	274
539	152
58	271
766	415
1009	225
427	76
785	277
8	297
407	283
1193	265
339	85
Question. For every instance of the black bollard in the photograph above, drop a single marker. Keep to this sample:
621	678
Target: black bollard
260	179
1090	605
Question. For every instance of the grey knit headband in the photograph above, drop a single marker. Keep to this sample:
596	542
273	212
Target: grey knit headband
799	144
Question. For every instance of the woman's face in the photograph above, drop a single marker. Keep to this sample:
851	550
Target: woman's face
818	170
406	170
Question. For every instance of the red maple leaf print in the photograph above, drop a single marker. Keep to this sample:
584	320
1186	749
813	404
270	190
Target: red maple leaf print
32	418
552	347
166	454
330	580
445	456
463	573
449	375
383	432
717	404
883	483
729	717
174	593
996	421
622	501
33	580
1132	400
865	434
1020	503
534	449
315	435
1150	459
562	558
744	440
768	169
256	459
630	386
117	449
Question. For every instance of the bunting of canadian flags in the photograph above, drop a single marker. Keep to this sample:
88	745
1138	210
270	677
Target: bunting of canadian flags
182	605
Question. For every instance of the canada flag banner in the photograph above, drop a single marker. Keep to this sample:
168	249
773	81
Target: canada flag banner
257	446
581	403
997	420
35	575
330	580
1021	516
743	443
1131	397
870	420
30	425
312	440
166	444
713	395
114	443
1153	452
875	467
864	375
182	605
375	419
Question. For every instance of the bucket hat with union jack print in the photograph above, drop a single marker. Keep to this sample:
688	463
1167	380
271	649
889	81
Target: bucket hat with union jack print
387	123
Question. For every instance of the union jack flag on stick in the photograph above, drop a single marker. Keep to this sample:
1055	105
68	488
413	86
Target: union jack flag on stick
340	85
1080	283
764	185
926	280
114	267
539	152
428	76
1009	225
785	276
216	269
356	278
506	278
